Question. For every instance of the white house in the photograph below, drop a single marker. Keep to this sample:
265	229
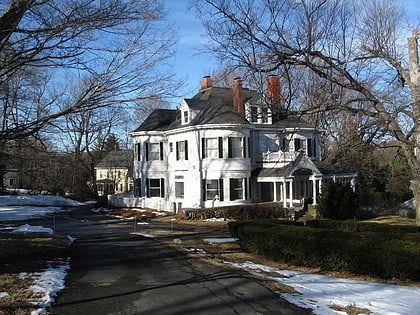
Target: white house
227	146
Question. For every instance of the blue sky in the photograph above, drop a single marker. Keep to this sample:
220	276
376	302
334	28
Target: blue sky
192	65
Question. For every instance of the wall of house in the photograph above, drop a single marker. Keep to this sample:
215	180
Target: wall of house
173	169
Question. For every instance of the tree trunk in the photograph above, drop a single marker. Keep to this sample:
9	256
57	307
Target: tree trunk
415	96
415	187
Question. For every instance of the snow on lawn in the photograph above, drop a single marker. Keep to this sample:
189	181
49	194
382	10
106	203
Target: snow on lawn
47	284
24	207
319	292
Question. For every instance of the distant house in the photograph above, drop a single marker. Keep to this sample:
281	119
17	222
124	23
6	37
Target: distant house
9	171
114	173
227	146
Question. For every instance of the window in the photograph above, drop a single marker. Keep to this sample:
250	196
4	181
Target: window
182	150
264	115
154	151
179	187
298	144
155	187
185	113
213	189
234	147
212	147
254	114
236	188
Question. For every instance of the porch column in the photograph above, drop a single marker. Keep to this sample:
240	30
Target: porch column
275	191
314	184
284	194
291	194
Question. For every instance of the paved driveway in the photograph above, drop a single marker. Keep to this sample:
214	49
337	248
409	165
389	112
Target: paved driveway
116	272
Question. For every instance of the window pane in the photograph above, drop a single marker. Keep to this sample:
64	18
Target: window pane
154	151
180	145
235	147
212	189
179	190
212	148
154	187
236	189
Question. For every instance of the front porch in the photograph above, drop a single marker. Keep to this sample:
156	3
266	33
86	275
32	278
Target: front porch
292	192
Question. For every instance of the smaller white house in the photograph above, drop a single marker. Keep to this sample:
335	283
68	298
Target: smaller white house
227	146
114	173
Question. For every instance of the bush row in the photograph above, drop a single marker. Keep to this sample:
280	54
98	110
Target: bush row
238	212
366	250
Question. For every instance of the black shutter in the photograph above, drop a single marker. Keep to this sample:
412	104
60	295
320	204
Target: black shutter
243	139
203	148
309	147
137	187
186	149
203	190
229	147
221	194
161	151
249	147
146	148
220	147
162	188
138	151
177	148
147	188
246	187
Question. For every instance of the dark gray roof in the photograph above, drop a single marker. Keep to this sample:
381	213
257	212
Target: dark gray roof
215	106
331	169
117	159
158	120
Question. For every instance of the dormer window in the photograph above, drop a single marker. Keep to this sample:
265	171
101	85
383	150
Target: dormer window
185	115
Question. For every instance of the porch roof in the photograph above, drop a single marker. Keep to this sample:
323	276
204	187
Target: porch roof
303	166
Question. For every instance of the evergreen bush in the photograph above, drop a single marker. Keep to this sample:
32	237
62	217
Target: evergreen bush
337	201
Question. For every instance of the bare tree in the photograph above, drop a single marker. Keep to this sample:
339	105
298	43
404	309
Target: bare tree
355	47
113	52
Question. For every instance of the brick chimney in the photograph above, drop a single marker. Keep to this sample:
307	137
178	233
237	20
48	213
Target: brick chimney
206	83
273	89
238	100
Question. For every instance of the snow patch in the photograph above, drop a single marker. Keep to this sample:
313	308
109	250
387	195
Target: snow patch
47	284
26	228
220	240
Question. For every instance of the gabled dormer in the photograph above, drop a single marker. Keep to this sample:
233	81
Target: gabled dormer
264	108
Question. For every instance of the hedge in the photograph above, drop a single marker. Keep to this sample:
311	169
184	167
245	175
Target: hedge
360	248
238	212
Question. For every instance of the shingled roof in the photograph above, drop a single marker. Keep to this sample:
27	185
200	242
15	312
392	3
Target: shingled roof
215	106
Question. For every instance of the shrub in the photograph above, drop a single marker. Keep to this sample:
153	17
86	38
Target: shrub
371	249
337	201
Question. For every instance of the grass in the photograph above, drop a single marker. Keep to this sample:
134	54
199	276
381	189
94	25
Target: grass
20	256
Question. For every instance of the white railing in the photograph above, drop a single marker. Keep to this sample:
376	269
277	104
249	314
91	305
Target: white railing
279	156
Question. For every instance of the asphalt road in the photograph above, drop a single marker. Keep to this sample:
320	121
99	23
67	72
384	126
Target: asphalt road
113	271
